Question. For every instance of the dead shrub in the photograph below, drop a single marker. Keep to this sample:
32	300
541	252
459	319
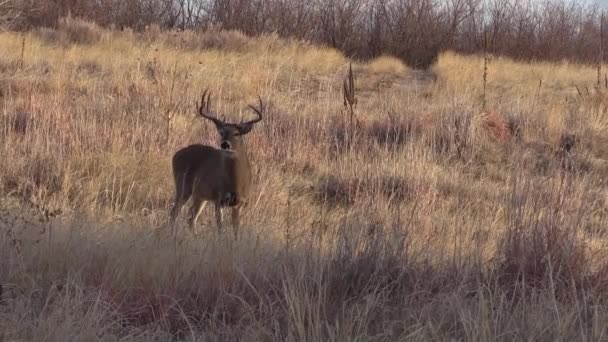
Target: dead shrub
545	159
365	254
541	255
332	191
595	101
515	125
419	57
89	68
386	65
24	87
9	67
541	247
46	173
501	127
595	143
496	124
17	122
338	134
394	132
280	126
599	279
449	134
152	33
539	158
39	174
370	253
344	192
567	142
565	151
273	42
72	31
79	31
211	39
341	137
393	188
50	36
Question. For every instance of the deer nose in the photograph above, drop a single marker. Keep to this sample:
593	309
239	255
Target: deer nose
225	145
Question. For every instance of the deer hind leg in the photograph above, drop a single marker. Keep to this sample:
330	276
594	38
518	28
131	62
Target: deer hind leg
179	199
235	220
177	207
198	204
218	216
182	194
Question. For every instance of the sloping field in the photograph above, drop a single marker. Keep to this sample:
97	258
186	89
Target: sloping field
432	218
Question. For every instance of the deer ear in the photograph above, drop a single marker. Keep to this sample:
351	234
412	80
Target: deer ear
245	128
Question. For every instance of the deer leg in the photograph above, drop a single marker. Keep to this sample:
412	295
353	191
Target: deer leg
235	221
218	216
181	196
177	208
195	211
175	211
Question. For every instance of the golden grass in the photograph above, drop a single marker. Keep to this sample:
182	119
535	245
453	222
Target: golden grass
414	230
510	81
386	65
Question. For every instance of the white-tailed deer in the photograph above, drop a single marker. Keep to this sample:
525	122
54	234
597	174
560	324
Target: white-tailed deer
221	176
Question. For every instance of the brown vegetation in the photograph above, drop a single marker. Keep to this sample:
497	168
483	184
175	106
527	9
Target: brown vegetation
435	221
415	31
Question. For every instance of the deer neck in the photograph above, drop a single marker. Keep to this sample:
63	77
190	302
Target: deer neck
240	161
241	157
239	172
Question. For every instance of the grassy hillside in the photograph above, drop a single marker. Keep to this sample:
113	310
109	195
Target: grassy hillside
434	219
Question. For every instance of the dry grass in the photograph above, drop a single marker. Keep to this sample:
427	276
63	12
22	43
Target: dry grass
72	31
386	65
433	221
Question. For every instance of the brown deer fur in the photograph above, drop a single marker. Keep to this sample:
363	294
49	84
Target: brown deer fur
208	174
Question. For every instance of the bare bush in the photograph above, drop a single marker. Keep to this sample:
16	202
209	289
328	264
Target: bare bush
213	38
415	31
541	247
9	13
72	31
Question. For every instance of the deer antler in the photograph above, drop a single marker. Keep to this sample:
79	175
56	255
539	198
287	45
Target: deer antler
205	111
258	111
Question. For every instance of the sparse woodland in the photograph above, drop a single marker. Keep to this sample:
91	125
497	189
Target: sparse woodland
406	204
415	31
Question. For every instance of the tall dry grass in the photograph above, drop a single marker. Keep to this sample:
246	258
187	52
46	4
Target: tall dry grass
432	221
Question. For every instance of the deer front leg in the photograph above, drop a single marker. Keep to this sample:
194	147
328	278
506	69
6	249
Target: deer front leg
235	221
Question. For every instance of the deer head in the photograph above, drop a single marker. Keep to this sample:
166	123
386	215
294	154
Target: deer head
230	133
